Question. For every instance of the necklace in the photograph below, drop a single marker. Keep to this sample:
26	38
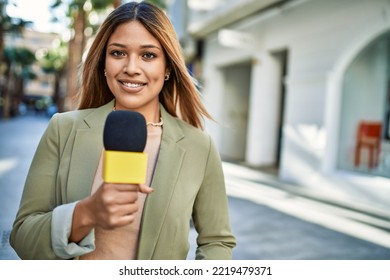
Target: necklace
156	124
160	124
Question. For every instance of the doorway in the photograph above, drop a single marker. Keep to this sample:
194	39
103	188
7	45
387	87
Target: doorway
235	111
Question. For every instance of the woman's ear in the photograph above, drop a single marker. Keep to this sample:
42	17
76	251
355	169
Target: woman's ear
167	73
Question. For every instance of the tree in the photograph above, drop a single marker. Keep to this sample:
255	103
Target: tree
13	26
9	24
18	63
159	3
78	11
54	62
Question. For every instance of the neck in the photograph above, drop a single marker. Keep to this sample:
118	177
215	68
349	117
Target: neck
151	115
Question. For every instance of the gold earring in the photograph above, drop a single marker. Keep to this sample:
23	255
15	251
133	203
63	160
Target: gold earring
166	77
105	73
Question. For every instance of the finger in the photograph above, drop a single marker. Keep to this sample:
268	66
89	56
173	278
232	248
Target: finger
122	187
121	193
125	216
118	216
117	222
145	189
124	197
125	209
125	220
112	196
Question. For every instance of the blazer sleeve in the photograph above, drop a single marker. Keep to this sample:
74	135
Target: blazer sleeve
30	235
33	228
211	212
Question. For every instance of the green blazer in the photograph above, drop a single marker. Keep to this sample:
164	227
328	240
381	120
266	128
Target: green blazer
188	182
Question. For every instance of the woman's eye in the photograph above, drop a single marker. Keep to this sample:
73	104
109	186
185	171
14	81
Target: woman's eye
117	53
149	55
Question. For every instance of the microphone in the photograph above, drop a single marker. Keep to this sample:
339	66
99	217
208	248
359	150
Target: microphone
124	139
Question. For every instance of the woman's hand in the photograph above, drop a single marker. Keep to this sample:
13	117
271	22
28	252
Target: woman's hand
111	206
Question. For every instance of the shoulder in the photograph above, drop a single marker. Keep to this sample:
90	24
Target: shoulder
64	125
190	137
93	117
70	119
200	149
192	132
73	116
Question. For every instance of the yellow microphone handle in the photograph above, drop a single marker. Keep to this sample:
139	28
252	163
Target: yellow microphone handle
124	167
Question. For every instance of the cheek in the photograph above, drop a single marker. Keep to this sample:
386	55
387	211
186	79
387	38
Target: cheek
158	82
112	67
156	73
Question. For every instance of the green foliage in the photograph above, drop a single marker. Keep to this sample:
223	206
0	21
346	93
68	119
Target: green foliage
54	60
101	4
159	3
22	59
74	6
21	56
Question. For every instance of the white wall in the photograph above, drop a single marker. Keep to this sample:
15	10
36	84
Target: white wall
264	110
317	35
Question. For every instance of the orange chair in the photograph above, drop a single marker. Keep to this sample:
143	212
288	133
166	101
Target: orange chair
368	136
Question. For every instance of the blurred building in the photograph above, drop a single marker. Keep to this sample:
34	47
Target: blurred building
38	43
291	82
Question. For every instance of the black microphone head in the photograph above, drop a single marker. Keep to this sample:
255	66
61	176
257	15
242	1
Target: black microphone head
125	131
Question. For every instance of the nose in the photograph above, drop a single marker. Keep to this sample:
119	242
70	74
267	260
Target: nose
132	66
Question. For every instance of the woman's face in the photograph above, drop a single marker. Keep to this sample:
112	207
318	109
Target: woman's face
135	69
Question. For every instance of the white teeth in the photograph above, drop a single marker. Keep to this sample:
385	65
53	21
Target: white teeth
131	85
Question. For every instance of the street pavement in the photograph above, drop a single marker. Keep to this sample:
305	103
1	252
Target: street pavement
270	219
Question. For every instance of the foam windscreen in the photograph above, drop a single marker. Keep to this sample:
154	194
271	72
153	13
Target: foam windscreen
125	131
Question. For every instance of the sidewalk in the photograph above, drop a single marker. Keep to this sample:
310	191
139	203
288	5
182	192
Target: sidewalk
342	190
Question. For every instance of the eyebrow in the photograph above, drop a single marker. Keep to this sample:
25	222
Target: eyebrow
146	46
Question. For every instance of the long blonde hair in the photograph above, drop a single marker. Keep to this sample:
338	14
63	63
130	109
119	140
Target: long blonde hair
179	95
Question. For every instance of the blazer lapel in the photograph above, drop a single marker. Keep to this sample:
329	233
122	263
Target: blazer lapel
87	149
164	182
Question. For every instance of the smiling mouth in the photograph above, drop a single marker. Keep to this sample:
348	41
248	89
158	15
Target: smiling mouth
132	85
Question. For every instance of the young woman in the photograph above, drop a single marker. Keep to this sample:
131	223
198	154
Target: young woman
68	212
